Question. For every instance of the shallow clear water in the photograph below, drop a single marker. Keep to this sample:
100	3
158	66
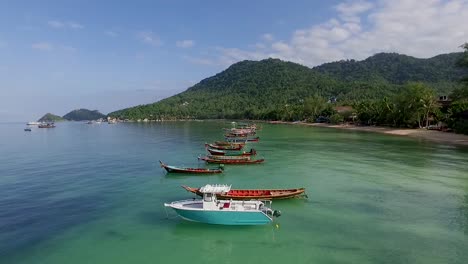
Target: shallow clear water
93	194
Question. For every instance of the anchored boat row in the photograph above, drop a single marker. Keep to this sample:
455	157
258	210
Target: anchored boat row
220	204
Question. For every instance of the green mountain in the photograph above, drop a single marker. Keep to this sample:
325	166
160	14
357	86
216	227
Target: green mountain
396	68
50	118
441	72
83	114
263	89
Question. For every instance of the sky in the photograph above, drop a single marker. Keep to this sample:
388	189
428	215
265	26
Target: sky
57	56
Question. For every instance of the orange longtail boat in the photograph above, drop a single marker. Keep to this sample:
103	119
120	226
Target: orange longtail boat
260	194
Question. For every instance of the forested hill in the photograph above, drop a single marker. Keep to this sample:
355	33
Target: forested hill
396	68
270	88
83	114
50	118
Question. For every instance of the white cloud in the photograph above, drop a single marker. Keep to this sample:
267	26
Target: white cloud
44	46
150	38
361	29
259	45
268	37
75	25
185	43
350	10
56	24
111	33
47	46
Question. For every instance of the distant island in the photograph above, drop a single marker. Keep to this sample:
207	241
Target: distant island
75	115
50	118
83	114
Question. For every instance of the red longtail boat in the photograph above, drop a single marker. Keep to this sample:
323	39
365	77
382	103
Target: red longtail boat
190	170
261	194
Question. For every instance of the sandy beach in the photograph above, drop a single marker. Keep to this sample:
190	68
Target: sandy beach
430	135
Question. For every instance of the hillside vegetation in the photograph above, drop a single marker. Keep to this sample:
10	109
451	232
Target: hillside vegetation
50	118
83	114
273	89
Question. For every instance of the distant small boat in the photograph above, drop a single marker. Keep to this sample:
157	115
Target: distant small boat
190	170
90	122
209	159
47	125
210	210
27	129
219	152
269	194
32	123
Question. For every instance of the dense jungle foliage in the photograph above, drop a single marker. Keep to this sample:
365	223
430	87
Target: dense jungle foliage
385	89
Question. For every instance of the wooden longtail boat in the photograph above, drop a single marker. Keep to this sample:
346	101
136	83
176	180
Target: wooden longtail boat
190	170
239	130
231	161
240	133
221	157
230	147
218	152
242	139
225	143
267	194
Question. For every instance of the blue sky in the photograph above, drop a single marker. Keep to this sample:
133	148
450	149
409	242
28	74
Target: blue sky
56	56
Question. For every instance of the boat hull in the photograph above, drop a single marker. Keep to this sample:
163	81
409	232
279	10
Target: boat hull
232	147
273	194
192	171
225	143
218	152
224	217
173	169
241	139
231	162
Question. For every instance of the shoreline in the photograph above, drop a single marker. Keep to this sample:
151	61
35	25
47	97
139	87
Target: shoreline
429	135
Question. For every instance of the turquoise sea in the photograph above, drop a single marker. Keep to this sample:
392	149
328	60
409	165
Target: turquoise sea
83	193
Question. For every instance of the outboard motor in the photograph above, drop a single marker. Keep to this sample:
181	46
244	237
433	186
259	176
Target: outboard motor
273	213
276	213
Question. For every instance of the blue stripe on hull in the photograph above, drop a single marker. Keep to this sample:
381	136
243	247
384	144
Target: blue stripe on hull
224	217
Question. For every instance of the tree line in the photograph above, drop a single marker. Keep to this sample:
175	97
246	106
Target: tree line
275	90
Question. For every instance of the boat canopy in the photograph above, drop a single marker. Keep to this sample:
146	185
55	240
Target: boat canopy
216	188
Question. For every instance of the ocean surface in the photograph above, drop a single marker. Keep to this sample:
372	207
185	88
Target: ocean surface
83	193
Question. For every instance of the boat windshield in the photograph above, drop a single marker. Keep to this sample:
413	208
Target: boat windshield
208	197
